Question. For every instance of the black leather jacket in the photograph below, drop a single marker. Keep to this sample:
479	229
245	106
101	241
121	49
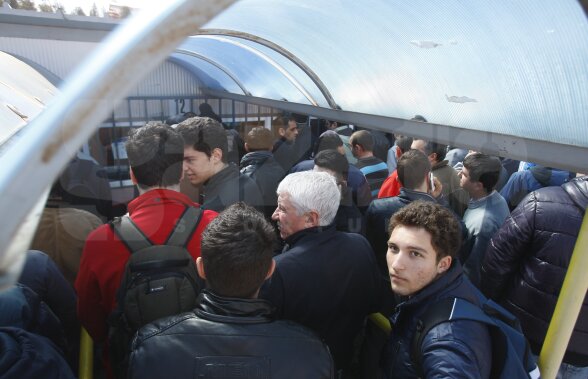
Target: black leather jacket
225	335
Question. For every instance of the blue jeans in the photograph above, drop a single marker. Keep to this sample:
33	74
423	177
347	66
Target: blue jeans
567	371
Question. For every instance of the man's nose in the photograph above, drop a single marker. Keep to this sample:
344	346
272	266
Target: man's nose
398	263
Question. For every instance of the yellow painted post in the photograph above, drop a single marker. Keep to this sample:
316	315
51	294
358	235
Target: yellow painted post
568	307
381	322
86	355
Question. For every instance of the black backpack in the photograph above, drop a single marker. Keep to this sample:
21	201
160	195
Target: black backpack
159	281
511	355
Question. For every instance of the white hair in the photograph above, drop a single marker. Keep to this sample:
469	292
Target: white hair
312	191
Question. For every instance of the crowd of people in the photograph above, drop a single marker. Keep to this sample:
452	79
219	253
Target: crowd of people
293	247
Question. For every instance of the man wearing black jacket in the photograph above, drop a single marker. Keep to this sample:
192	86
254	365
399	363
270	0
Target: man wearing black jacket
231	330
206	165
324	279
260	165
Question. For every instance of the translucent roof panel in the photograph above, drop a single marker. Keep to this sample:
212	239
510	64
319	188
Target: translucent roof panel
514	68
297	74
23	94
261	76
209	74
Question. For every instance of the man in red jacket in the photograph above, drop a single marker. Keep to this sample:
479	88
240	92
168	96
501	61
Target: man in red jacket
156	153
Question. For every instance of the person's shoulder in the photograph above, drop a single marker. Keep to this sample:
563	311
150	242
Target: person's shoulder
100	234
303	166
384	204
165	326
352	241
289	330
208	215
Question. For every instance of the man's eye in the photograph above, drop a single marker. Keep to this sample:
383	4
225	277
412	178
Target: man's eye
416	254
393	249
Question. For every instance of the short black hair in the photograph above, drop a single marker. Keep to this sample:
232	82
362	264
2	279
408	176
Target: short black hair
328	140
362	138
437	148
412	167
334	161
483	168
204	134
155	153
404	143
237	251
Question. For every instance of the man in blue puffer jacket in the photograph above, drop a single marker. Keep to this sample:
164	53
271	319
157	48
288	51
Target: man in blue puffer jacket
422	249
526	262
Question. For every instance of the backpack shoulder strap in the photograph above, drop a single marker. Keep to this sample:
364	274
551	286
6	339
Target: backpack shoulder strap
185	227
436	314
451	309
130	234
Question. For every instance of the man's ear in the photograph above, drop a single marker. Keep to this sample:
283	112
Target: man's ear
271	270
312	218
281	131
200	268
444	264
247	147
217	154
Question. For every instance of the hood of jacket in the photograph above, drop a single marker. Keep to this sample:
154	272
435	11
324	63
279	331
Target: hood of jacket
577	190
255	158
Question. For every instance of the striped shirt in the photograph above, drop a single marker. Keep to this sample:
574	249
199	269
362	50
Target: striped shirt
375	171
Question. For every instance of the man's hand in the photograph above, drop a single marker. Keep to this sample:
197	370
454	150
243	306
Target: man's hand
436	192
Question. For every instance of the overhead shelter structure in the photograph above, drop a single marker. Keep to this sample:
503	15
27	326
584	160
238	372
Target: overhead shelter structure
504	78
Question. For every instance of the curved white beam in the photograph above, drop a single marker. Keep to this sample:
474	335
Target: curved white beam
32	158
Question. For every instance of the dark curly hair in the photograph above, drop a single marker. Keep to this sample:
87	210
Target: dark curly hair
437	220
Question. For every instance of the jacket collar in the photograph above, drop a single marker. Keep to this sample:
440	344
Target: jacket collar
231	171
296	237
415	195
439	165
158	197
482	201
255	157
226	309
577	190
432	291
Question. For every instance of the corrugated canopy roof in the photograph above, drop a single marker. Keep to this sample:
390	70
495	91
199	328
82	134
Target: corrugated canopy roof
514	69
23	94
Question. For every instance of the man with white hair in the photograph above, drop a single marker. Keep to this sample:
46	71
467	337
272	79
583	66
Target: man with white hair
324	279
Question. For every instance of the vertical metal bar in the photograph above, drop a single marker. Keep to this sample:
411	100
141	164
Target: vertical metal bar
146	113
220	108
129	112
233	110
567	309
86	369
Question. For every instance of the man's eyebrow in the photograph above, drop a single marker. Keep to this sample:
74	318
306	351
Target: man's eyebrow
410	247
418	248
